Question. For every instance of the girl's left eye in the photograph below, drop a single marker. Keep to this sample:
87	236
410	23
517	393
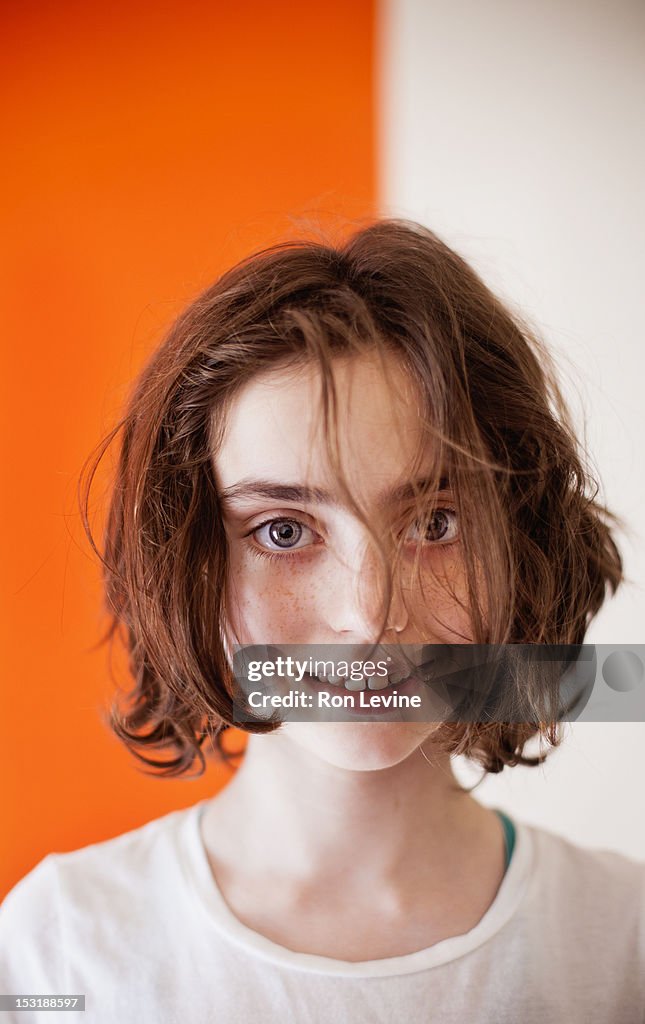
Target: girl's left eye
440	527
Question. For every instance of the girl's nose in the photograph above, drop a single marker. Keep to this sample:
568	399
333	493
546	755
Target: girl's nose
355	602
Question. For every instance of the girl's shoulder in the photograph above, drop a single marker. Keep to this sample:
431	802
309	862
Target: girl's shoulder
560	855
578	884
105	881
88	919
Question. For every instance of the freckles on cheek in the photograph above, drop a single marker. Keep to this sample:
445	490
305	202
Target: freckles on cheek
441	605
450	574
270	604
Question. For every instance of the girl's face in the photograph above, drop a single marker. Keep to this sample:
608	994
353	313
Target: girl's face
301	566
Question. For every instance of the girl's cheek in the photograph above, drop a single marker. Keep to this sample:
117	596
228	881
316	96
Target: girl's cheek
271	602
440	603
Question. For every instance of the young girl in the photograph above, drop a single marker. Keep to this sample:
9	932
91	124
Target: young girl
339	446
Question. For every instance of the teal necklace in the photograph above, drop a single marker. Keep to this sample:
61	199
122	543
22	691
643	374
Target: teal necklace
509	835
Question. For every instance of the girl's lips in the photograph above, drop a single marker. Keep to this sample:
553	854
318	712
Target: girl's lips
372	683
407	687
395	677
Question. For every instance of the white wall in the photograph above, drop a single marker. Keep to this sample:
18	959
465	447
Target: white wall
514	130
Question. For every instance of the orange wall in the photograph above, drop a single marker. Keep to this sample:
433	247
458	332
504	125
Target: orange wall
147	146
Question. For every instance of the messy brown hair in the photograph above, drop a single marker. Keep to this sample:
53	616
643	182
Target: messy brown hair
537	546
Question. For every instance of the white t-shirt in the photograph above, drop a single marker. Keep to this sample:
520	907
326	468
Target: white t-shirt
138	925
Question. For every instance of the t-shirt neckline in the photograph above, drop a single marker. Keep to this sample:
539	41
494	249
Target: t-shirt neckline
205	889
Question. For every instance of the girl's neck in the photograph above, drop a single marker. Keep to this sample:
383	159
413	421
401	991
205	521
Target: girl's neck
291	816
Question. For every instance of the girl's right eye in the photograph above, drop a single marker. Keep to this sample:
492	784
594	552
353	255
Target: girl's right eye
285	533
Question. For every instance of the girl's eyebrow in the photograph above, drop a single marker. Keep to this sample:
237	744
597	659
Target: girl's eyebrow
248	488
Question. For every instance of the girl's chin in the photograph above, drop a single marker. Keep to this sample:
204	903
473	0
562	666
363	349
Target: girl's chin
358	746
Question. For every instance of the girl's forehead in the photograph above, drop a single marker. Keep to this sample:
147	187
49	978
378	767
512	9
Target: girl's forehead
275	427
